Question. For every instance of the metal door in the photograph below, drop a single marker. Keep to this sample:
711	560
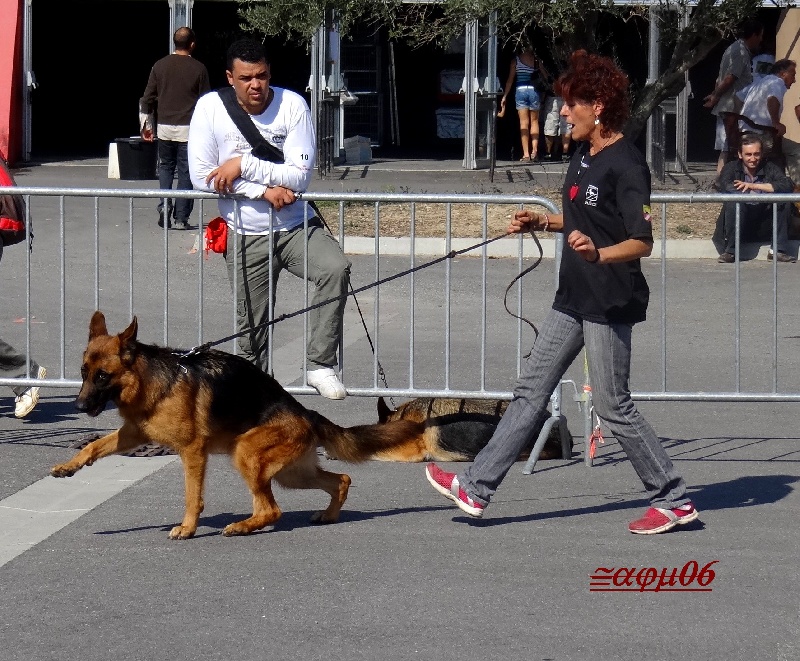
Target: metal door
481	87
29	81
180	15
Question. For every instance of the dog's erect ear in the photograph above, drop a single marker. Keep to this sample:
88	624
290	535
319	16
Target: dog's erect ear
129	334
97	325
127	341
383	411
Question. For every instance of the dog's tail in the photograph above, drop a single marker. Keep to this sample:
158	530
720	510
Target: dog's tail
390	440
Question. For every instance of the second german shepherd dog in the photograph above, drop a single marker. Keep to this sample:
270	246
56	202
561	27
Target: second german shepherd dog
457	429
213	402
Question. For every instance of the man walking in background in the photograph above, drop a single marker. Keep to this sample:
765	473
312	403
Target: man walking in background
175	83
735	73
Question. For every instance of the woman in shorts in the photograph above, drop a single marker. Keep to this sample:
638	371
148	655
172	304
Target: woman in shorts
525	77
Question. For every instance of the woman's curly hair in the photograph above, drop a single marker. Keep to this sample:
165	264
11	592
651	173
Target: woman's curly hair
592	78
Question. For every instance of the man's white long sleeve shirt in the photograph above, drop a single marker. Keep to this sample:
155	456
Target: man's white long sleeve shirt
285	124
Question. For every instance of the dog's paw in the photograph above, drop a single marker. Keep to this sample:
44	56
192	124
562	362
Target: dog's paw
322	518
181	532
236	529
64	470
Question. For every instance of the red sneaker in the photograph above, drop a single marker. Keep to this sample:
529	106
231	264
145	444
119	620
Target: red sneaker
657	520
447	485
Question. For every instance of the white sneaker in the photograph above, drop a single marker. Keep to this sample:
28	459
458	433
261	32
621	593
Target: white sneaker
26	402
326	382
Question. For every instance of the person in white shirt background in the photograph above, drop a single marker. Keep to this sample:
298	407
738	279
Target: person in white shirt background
762	104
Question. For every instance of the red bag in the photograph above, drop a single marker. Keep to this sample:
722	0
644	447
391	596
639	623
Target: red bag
217	236
12	211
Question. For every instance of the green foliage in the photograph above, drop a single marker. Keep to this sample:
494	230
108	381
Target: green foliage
569	24
298	20
561	27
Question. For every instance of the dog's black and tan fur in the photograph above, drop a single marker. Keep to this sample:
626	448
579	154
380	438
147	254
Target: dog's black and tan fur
217	403
453	430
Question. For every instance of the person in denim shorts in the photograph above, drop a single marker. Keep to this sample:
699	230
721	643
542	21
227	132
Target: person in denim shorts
525	78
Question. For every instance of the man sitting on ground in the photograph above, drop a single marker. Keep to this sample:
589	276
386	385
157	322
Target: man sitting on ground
750	173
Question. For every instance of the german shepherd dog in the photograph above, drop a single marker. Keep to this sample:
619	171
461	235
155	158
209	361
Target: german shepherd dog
457	429
213	402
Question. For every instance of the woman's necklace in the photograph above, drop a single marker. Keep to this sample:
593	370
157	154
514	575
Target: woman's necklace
610	140
585	161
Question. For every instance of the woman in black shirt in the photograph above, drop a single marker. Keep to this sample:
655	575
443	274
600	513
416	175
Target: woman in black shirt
602	293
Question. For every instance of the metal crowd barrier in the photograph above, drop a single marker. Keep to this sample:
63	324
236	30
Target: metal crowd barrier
737	394
75	223
93	220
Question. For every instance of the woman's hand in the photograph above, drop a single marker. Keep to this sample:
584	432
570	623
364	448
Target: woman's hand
502	111
525	220
584	246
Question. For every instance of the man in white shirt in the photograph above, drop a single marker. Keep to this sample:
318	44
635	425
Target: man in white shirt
762	65
763	100
221	160
763	104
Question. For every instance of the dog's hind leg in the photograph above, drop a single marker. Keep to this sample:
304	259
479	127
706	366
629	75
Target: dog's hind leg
265	513
124	439
194	460
259	454
306	474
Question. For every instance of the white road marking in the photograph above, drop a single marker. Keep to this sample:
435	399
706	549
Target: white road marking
33	514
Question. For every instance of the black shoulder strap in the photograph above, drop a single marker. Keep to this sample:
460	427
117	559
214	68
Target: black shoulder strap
261	148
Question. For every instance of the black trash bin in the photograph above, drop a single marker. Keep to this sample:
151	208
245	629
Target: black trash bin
136	158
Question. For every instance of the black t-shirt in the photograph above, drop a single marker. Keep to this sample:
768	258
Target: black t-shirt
607	197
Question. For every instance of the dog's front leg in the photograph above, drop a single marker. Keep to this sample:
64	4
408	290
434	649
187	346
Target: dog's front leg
194	460
124	439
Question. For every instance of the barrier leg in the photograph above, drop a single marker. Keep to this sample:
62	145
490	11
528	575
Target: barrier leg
588	429
555	419
566	438
540	441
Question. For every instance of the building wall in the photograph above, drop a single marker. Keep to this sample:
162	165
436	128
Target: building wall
10	84
787	44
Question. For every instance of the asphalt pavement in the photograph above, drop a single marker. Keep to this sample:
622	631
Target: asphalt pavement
89	573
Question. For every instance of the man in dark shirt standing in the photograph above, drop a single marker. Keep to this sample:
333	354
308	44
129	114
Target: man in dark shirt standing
176	82
751	173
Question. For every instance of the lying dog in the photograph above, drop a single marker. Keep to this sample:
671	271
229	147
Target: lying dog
455	430
217	403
